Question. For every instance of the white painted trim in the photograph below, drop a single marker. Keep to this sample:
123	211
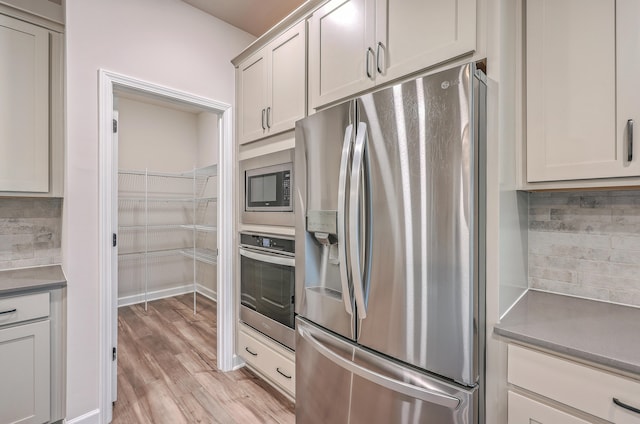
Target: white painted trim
108	81
155	295
207	292
91	417
226	238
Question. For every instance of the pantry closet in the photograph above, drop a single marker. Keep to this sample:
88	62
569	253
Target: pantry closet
167	199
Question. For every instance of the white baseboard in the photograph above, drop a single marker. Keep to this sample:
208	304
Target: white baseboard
164	293
91	417
207	292
155	295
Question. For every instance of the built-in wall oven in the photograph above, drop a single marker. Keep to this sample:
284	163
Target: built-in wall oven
267	285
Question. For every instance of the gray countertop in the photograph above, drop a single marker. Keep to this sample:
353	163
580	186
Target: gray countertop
600	332
41	277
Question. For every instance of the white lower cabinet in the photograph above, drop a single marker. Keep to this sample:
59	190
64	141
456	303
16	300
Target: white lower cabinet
25	369
271	360
524	410
575	391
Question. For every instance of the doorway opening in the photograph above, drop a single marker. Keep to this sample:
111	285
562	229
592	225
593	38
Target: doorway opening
166	208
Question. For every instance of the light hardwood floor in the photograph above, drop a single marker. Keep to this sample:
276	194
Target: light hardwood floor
167	370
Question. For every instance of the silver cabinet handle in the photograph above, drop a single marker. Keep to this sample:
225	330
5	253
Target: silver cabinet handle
342	226
8	311
380	45
630	140
625	406
268	117
250	352
263	127
283	374
354	214
430	396
369	52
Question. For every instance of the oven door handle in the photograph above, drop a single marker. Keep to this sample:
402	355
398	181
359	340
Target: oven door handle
265	257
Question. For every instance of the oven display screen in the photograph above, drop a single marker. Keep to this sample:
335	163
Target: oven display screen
266	242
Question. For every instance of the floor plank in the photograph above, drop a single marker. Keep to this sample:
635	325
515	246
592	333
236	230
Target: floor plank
167	370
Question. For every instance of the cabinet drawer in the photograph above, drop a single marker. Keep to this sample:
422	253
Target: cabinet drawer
23	308
523	410
582	387
272	364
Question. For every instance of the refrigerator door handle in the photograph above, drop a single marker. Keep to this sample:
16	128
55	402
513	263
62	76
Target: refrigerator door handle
398	386
354	212
342	205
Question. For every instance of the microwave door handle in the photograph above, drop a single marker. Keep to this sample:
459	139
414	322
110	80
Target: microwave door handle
342	228
265	257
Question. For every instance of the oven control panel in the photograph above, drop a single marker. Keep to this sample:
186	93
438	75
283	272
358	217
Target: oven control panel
267	242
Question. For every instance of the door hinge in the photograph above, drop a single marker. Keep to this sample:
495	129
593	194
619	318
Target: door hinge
115	126
115	240
114	354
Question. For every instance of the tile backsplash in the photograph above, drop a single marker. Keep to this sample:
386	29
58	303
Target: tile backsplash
30	232
586	244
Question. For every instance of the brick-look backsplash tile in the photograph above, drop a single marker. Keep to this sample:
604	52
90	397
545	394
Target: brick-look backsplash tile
586	244
30	231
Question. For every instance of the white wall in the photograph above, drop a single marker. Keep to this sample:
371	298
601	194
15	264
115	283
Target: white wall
165	42
156	137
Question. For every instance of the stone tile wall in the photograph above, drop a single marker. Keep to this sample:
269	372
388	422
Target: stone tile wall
586	244
30	232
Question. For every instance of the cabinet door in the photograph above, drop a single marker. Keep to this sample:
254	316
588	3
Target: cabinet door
287	88
523	410
628	72
415	34
341	50
571	91
24	367
252	97
24	107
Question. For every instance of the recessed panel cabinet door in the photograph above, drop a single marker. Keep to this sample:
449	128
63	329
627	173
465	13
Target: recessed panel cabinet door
253	102
341	55
288	82
415	34
24	107
25	371
583	59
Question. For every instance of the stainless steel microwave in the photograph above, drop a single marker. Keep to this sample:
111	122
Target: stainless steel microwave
263	178
268	189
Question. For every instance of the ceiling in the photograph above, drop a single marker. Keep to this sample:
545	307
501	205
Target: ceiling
252	16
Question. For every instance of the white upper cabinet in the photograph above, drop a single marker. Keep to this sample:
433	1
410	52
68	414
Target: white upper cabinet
582	63
24	107
271	85
356	44
415	34
341	55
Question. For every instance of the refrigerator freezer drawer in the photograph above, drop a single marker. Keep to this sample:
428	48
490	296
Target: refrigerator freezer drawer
356	386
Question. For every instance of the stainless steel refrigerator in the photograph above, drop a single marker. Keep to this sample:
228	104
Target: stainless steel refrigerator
389	255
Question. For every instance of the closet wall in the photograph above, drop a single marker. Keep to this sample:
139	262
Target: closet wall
162	137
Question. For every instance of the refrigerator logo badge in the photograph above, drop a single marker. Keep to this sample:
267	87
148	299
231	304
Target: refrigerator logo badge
446	84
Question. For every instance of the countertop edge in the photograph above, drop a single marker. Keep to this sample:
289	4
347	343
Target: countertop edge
48	277
568	350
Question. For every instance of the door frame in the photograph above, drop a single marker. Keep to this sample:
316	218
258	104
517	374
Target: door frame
108	81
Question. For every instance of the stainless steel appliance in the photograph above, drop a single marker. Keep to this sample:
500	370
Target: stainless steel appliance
267	284
267	187
389	247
